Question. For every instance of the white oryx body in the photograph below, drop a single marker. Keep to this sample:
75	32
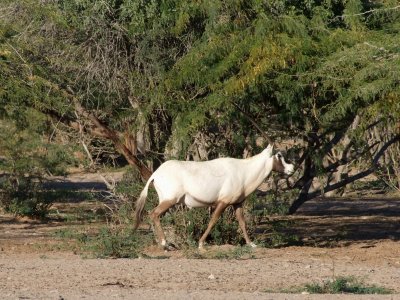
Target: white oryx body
220	182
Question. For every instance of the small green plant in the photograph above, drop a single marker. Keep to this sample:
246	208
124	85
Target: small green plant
126	192
344	285
116	242
69	233
239	252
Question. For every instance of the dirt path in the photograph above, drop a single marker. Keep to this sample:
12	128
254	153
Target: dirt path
68	276
369	249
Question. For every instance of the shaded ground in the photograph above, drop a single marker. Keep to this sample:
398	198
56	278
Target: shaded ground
338	237
348	221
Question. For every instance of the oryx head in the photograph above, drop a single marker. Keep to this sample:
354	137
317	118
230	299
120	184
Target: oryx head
280	165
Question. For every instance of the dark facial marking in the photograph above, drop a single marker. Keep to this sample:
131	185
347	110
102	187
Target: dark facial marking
277	164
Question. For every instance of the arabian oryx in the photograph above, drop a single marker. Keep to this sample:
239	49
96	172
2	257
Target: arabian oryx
220	182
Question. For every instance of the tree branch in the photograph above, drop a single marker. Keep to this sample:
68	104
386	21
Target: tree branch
101	129
254	123
360	175
114	137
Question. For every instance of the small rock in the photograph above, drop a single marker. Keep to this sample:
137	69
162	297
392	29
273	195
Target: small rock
211	277
305	293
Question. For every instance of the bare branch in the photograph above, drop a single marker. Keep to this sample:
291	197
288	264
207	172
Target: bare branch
114	137
358	176
367	12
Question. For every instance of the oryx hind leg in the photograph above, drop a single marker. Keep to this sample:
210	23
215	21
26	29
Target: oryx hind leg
155	216
242	223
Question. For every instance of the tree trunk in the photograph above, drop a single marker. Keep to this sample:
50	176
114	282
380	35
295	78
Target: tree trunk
106	132
301	199
304	183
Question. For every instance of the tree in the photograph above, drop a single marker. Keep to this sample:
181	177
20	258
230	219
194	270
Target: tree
87	65
165	77
324	75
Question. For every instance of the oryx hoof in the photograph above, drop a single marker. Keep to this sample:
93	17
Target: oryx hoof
252	245
201	246
168	246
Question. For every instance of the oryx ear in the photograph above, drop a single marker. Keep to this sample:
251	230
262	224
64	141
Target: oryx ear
270	149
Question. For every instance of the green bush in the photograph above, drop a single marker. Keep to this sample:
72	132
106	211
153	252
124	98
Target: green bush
116	242
109	241
22	196
26	157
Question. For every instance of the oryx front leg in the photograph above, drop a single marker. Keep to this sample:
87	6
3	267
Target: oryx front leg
242	224
214	218
155	216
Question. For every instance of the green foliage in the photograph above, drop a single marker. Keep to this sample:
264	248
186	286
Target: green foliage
25	151
324	60
21	196
116	242
131	184
25	159
108	242
274	202
345	285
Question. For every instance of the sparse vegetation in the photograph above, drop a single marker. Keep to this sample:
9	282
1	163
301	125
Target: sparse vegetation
116	242
238	252
107	241
345	285
337	285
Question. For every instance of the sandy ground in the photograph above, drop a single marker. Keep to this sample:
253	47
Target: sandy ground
67	276
369	249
